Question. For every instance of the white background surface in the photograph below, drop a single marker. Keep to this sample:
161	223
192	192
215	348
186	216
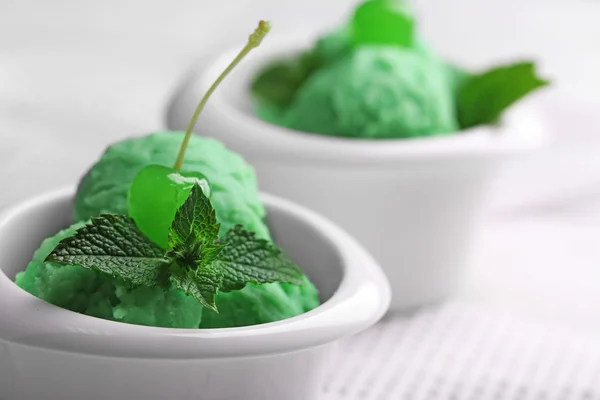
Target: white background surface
77	75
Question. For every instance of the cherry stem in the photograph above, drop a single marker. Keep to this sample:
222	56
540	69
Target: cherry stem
253	41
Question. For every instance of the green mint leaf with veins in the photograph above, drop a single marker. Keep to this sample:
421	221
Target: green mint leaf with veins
192	242
249	259
112	244
483	97
195	221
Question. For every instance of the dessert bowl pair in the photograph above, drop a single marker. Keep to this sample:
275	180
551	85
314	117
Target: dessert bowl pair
157	231
47	352
415	204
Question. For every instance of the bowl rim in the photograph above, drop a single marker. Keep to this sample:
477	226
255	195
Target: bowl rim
520	130
361	299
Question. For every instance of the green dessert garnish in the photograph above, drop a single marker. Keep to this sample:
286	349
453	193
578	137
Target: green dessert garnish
483	97
383	22
157	191
135	181
155	195
374	79
278	84
196	261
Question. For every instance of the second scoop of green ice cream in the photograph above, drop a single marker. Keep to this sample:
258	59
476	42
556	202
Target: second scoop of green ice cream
375	92
104	190
373	78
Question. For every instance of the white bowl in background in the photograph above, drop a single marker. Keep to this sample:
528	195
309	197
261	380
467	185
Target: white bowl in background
414	204
47	352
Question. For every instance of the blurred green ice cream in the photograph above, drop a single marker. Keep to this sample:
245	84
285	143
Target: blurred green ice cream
374	93
359	85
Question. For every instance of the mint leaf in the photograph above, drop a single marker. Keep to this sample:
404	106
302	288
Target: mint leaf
202	283
483	97
194	231
192	238
194	221
249	259
278	83
112	244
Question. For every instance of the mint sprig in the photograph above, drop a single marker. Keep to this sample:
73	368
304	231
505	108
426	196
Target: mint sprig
195	220
192	238
196	262
484	97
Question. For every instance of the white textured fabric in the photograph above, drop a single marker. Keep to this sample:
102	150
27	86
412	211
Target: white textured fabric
466	351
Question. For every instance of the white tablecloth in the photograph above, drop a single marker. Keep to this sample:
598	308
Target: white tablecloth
75	76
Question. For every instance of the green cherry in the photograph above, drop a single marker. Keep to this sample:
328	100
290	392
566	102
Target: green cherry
155	195
384	22
158	191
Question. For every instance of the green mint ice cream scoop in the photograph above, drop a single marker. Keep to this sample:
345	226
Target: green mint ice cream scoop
234	194
134	177
376	93
374	78
235	197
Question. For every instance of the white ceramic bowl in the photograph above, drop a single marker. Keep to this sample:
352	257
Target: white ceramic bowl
414	203
47	352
